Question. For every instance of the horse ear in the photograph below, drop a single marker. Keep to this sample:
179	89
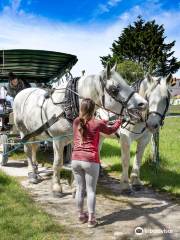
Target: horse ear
169	78
173	81
107	71
159	80
114	68
149	77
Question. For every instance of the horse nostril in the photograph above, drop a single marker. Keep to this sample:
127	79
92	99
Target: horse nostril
156	126
142	105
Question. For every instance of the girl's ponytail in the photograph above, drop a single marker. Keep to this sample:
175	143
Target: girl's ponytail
86	113
82	128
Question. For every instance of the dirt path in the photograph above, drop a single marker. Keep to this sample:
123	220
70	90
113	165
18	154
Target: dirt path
118	215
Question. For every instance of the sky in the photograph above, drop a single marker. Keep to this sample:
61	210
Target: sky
84	28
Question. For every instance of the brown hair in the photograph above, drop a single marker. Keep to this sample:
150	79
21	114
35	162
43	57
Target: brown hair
86	113
12	76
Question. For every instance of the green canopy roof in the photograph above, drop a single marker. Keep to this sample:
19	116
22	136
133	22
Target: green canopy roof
34	65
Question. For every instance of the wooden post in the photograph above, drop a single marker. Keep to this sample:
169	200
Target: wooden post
155	149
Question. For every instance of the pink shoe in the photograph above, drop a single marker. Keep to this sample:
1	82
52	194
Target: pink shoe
83	218
93	223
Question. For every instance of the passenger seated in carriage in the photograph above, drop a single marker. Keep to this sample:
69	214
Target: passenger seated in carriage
15	85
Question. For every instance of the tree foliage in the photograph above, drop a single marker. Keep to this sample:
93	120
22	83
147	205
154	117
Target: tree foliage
130	71
144	43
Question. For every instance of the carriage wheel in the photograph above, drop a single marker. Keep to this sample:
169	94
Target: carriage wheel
3	149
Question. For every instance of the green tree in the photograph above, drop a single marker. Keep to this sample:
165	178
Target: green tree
131	71
144	43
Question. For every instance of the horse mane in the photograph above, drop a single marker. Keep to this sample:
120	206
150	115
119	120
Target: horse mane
137	86
146	89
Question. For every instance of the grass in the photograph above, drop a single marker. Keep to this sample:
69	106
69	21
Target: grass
174	110
21	218
167	177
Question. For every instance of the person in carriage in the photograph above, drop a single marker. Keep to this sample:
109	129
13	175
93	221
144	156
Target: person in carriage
15	85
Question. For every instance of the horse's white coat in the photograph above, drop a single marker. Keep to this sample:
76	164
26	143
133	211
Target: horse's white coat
156	95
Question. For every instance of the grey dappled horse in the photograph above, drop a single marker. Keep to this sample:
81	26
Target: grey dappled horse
155	91
107	89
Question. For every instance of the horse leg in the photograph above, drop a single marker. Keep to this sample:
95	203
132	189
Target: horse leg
32	172
125	155
34	148
57	165
135	174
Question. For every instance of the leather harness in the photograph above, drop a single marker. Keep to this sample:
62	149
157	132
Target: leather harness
70	106
71	100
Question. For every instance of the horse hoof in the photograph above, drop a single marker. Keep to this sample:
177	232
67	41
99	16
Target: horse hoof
58	194
137	187
127	192
33	178
125	186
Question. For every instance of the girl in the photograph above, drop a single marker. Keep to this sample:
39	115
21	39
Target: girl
85	157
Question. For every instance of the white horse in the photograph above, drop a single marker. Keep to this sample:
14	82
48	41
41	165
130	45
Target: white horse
157	94
155	91
32	109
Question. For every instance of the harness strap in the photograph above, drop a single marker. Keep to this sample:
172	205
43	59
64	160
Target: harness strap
44	127
46	131
75	98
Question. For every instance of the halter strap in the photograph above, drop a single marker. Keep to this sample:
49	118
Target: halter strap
123	103
162	116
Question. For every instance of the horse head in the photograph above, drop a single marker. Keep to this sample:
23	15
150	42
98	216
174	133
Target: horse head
158	97
118	95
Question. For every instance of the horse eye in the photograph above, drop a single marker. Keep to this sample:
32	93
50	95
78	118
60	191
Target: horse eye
114	89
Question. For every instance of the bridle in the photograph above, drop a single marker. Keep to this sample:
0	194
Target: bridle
136	86
112	90
161	115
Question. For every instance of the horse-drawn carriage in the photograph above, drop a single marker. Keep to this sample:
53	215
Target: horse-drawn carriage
36	67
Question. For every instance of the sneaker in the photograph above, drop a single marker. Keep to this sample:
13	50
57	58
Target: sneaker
83	218
93	223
